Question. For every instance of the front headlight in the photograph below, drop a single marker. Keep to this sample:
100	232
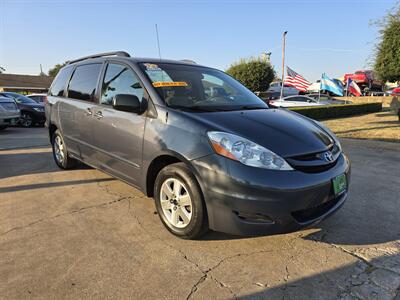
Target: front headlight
245	151
38	109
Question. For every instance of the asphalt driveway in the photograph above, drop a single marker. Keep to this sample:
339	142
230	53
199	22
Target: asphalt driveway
79	234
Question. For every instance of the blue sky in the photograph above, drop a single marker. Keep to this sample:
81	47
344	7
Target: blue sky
323	36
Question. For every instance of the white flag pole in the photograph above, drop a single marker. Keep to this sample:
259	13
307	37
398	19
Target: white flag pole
319	90
283	61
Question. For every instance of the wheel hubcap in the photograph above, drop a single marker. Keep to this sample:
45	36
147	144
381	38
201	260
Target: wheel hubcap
176	203
59	149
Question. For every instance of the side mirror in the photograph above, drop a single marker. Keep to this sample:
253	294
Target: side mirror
128	103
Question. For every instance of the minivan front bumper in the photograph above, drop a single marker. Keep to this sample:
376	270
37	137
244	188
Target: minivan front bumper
244	200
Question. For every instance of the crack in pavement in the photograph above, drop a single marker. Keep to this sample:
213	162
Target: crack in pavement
103	187
207	274
365	278
63	214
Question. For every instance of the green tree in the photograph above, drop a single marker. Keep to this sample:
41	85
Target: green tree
254	73
387	56
54	71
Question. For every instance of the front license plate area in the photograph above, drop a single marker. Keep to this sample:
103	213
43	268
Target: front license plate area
339	184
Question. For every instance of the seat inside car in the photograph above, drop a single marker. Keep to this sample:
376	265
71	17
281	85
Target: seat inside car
178	96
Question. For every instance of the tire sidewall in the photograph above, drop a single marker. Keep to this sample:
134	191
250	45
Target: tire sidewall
197	222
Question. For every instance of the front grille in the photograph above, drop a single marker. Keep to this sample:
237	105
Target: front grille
315	168
309	214
315	162
8	106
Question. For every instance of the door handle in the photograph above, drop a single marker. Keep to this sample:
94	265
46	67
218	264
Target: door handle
98	115
88	112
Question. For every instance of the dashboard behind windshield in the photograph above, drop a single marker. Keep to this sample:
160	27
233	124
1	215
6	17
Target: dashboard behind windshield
199	88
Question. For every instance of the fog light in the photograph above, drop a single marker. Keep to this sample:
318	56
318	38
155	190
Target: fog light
254	218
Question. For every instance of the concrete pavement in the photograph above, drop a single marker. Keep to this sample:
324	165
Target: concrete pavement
79	234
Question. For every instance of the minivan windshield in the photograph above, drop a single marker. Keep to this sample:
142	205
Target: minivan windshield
199	88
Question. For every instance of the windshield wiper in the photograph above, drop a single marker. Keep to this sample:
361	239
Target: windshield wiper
256	106
196	108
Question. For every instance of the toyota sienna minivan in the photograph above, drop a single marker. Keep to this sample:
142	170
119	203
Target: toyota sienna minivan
209	151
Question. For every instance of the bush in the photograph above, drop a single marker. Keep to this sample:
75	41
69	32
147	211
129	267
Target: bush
337	111
254	73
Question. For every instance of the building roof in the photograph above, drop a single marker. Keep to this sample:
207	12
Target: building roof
25	81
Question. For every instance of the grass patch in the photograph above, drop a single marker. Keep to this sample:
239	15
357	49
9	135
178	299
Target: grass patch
382	126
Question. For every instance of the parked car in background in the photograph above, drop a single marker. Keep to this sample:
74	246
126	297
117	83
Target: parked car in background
31	112
220	159
292	101
396	91
39	98
9	112
327	99
274	90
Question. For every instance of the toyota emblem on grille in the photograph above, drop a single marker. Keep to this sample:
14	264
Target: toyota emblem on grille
328	156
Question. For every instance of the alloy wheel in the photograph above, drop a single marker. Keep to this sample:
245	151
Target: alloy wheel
59	149
26	120
176	203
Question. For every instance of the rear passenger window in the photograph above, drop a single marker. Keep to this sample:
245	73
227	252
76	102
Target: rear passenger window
119	79
59	83
83	82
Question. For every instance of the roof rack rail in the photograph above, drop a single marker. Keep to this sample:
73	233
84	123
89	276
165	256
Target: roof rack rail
114	53
188	61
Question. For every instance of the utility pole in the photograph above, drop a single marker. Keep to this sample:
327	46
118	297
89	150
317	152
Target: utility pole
283	60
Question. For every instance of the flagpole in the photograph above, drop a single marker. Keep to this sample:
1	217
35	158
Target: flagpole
283	61
319	90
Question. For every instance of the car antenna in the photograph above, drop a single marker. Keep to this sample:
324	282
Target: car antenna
159	51
158	43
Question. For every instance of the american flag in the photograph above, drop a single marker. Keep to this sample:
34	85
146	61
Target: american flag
296	80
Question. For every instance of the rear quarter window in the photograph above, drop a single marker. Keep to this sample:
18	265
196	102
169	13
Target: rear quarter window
84	82
59	83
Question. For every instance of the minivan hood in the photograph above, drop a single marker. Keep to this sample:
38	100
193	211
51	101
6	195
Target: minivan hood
281	131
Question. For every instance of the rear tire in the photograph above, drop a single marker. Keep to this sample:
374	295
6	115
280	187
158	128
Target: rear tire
3	127
26	120
60	152
179	202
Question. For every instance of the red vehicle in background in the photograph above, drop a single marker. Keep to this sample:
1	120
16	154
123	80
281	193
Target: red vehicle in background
365	79
396	91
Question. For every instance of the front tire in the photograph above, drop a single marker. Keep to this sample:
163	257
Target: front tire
179	202
60	152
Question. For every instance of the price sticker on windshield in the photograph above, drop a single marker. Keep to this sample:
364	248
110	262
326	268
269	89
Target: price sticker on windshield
171	83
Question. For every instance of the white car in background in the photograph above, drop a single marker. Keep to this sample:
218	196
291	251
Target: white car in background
293	101
274	90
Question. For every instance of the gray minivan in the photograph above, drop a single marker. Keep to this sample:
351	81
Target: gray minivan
211	153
